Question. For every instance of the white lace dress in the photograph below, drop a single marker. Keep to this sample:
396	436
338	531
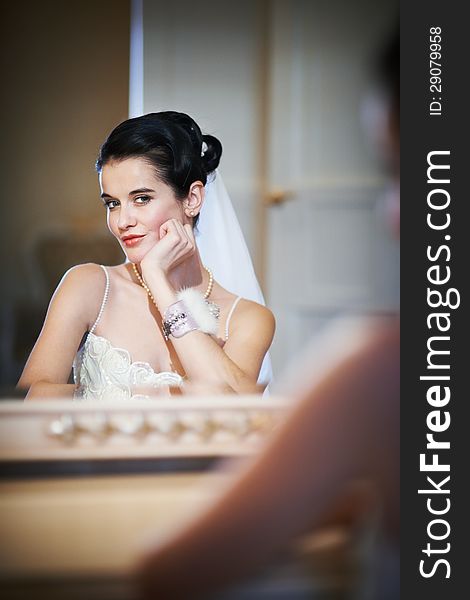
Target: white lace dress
105	373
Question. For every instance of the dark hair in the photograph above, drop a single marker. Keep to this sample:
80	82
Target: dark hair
171	142
387	69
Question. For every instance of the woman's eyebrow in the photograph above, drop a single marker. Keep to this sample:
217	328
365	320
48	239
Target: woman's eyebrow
138	191
141	191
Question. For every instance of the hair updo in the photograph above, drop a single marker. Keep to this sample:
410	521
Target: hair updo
387	70
171	142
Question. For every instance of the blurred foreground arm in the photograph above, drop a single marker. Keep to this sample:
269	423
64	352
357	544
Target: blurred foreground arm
344	428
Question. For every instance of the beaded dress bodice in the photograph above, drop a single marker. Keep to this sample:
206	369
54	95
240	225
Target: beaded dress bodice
103	372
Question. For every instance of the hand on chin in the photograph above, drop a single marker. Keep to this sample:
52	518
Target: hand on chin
175	245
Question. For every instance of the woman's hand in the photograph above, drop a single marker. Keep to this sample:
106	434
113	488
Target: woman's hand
176	245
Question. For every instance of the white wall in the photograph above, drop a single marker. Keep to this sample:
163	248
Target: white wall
203	58
280	82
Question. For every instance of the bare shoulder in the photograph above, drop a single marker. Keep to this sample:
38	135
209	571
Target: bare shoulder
86	280
382	346
250	316
380	335
360	336
252	310
373	362
349	349
81	289
85	275
73	307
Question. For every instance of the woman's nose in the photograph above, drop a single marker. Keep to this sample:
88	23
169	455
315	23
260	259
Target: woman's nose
126	217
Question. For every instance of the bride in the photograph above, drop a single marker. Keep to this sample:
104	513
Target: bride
160	317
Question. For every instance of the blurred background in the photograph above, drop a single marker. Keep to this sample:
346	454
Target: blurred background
280	82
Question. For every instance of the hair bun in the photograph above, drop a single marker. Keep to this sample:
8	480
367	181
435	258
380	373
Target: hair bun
212	154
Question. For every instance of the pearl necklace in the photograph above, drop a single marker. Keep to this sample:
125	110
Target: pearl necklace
207	293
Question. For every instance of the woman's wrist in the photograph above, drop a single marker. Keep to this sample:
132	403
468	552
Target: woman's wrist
163	292
151	272
190	312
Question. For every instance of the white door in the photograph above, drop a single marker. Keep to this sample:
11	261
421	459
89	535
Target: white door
328	248
280	83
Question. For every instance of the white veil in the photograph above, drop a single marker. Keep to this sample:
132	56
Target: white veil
223	249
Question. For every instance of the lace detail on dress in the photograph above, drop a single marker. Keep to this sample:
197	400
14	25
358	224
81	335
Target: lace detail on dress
103	372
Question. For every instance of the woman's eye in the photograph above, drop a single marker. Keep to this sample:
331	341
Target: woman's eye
142	199
112	204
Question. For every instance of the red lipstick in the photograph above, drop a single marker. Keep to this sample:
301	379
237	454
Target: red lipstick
131	240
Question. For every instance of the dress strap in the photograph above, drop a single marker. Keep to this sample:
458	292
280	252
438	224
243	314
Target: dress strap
105	298
227	322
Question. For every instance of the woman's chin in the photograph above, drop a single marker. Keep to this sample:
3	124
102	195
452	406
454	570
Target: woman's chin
136	255
133	256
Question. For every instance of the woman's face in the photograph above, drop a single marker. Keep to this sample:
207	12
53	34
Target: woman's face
138	203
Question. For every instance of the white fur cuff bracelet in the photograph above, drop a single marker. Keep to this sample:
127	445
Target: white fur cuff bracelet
204	313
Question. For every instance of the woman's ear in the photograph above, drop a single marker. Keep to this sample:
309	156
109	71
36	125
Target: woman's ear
193	203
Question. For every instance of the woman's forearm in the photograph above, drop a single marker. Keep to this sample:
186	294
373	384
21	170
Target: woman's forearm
202	358
204	361
43	390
